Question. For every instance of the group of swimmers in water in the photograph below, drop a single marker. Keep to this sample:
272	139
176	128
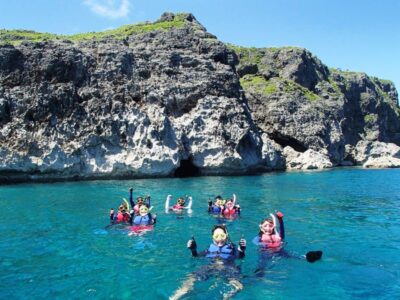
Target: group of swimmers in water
221	250
138	214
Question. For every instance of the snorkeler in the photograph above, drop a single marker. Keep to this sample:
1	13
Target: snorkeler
122	216
231	209
144	217
139	202
179	206
270	236
223	253
270	239
218	206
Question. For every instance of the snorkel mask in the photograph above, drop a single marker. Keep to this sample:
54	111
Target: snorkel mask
143	210
181	201
229	204
219	235
220	202
268	228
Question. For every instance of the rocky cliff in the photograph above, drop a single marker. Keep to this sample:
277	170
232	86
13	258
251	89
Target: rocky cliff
302	104
168	99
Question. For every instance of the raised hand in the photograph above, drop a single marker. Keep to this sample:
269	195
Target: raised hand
242	245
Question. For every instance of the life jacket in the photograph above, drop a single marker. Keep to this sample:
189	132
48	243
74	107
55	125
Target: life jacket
215	209
271	241
227	251
139	220
177	207
230	212
122	217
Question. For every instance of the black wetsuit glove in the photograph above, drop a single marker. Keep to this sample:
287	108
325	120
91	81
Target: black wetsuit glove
192	245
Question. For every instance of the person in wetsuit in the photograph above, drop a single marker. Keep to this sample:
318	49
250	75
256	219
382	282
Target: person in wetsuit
270	236
270	239
222	253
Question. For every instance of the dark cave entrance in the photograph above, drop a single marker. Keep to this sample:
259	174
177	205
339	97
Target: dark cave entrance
288	141
187	169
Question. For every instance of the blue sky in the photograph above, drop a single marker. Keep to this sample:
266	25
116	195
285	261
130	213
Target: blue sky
356	35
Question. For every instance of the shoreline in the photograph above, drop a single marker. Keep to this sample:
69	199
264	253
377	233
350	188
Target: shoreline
44	180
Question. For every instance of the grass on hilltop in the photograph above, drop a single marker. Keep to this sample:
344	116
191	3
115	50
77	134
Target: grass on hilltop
16	37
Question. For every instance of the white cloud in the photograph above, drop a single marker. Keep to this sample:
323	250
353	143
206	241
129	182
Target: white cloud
113	9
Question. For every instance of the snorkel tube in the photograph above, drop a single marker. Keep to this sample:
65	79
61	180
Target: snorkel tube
128	208
276	230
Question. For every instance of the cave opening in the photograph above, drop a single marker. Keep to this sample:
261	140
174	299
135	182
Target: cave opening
187	169
288	141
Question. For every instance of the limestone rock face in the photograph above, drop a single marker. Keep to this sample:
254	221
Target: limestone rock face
272	153
136	107
298	102
307	160
376	155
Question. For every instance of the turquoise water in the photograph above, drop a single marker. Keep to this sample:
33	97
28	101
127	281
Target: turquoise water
54	243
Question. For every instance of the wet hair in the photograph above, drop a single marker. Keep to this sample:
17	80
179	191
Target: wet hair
218	197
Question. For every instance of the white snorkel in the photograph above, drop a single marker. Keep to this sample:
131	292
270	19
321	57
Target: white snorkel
234	199
275	223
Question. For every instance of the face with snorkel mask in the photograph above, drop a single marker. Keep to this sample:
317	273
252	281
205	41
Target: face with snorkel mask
181	201
143	210
140	201
267	226
219	235
219	201
229	204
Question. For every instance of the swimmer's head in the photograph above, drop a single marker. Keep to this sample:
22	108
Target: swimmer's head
219	235
267	226
220	202
229	204
181	201
143	210
140	200
122	208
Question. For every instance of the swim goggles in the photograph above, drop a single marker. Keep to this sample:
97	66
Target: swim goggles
220	202
219	236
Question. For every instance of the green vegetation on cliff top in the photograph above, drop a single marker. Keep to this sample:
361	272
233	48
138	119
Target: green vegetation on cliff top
348	76
258	84
16	37
253	55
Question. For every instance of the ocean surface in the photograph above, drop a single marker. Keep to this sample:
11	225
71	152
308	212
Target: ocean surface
55	243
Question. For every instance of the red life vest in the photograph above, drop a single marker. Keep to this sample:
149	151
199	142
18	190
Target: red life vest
271	240
177	207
